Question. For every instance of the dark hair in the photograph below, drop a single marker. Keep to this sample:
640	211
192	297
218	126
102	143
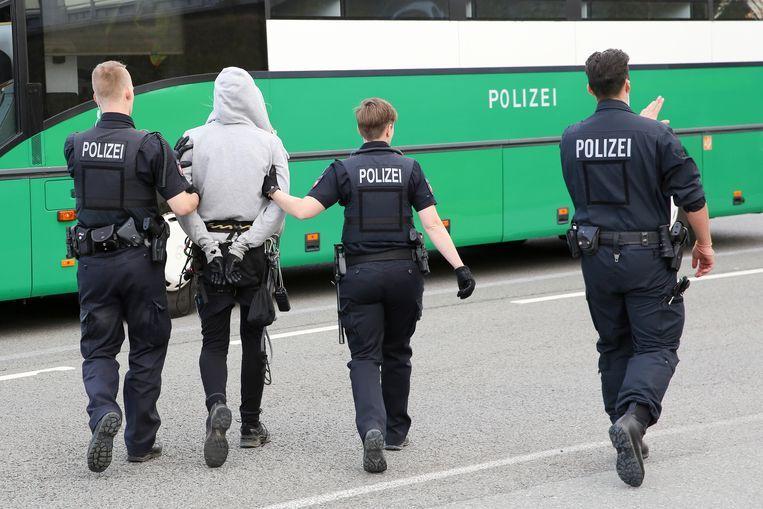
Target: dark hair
607	72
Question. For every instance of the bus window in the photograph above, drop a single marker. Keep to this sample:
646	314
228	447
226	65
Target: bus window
156	39
305	8
8	124
645	10
738	9
397	9
517	10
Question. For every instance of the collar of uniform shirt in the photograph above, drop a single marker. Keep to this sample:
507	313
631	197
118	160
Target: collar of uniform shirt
374	144
608	104
113	120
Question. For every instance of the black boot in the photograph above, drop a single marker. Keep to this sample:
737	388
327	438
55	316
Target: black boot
102	442
216	445
626	435
373	452
155	452
254	435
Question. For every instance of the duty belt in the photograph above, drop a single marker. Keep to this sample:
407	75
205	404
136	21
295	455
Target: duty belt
228	226
645	239
385	256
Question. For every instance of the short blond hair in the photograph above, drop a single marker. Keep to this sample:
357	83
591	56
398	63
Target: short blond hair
110	79
374	115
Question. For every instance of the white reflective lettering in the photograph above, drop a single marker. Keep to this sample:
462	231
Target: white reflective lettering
578	147
492	96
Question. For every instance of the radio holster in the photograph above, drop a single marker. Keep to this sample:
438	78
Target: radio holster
588	239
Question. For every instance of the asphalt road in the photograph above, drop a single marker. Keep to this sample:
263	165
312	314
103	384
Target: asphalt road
505	402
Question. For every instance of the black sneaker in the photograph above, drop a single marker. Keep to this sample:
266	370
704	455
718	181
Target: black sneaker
373	452
254	435
155	452
102	442
397	447
626	434
216	445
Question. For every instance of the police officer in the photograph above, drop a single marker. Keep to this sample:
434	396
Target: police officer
119	240
381	293
622	170
226	159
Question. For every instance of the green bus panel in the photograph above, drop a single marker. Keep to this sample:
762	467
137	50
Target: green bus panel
735	163
533	190
49	237
16	269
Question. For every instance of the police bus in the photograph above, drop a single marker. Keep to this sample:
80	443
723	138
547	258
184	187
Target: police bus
484	89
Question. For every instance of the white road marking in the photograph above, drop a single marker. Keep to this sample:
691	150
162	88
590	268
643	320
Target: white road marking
296	333
724	275
34	373
490	465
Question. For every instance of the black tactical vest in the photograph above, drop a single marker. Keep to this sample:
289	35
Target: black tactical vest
106	183
379	209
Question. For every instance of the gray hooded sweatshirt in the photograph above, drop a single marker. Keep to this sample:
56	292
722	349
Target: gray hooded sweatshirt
231	155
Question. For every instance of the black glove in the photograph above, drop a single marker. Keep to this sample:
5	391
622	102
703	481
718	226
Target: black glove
270	183
466	282
181	147
215	271
233	272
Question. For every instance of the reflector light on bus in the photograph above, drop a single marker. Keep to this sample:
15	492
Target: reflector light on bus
67	215
446	224
562	215
68	262
738	198
312	242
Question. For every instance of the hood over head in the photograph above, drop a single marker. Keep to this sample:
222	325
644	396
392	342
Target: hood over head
237	100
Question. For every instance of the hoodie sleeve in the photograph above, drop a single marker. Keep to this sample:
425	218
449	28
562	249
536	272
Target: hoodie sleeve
192	224
272	218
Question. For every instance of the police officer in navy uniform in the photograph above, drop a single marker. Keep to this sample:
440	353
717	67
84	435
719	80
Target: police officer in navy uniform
119	241
381	293
622	170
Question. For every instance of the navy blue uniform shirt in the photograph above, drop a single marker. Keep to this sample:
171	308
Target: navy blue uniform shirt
149	164
334	186
622	169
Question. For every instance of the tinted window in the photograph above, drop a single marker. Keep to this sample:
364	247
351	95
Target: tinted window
8	125
738	9
517	9
156	39
663	9
397	9
305	8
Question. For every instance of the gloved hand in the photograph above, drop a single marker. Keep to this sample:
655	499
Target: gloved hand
181	147
270	183
233	272
216	271
466	282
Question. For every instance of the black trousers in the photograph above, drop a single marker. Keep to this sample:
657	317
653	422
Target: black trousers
215	314
114	287
380	304
639	332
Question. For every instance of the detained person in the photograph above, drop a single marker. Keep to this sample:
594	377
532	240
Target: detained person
227	160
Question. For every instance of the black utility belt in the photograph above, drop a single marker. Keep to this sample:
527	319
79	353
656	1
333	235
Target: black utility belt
645	239
228	226
81	241
384	256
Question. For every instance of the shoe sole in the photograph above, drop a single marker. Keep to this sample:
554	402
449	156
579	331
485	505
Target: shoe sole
99	451
629	467
373	452
216	445
146	457
252	443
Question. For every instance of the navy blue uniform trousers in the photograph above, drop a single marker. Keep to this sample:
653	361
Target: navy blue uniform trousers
639	332
215	314
124	285
380	303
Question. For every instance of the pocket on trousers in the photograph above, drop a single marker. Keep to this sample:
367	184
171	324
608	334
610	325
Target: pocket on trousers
159	323
672	319
85	326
